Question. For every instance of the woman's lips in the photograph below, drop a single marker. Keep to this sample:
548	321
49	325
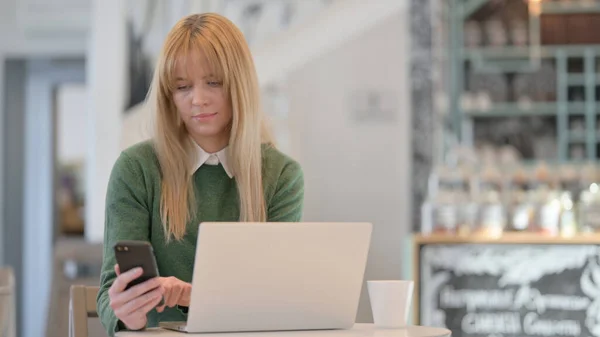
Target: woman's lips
204	117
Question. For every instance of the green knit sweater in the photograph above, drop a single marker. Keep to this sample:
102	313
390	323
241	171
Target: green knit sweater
132	213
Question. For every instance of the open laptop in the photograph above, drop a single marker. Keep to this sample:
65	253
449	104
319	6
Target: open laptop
276	277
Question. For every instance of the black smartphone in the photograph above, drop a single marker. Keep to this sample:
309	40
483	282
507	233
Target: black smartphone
133	254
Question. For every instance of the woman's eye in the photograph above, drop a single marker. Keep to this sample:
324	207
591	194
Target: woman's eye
183	87
214	83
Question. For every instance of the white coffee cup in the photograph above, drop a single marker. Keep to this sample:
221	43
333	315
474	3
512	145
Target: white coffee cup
390	302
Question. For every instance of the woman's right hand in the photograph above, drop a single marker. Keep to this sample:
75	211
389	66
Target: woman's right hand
131	305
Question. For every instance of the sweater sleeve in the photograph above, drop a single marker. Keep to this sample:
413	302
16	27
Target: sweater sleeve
127	217
287	203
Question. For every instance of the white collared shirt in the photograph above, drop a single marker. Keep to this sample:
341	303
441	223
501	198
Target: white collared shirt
212	159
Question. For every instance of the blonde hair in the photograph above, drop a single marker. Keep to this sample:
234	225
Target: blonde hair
222	44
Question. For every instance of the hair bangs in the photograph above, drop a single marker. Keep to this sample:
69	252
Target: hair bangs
191	53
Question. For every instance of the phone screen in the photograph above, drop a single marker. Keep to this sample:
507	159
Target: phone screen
132	254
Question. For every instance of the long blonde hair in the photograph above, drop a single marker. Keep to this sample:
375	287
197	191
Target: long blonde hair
224	47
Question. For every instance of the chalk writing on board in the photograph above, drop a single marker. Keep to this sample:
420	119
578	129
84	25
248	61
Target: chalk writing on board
500	290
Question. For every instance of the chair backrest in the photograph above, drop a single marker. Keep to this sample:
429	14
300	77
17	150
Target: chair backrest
8	308
82	306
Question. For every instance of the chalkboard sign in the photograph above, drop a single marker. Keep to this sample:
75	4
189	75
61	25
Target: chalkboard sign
502	290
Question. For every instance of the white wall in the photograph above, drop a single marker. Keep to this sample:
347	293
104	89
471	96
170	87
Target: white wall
358	171
106	82
336	24
15	41
71	108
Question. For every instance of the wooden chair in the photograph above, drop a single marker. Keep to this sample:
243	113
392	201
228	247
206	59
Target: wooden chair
82	306
8	308
75	262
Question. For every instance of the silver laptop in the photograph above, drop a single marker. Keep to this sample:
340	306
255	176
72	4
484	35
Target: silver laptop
276	277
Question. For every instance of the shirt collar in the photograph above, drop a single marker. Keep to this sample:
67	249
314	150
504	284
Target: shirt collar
204	157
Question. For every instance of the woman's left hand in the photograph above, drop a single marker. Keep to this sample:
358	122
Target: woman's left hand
175	292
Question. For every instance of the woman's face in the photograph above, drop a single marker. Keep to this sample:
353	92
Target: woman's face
200	99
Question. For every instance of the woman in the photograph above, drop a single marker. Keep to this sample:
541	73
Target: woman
210	160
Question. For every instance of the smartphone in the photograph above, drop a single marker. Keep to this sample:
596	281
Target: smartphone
132	254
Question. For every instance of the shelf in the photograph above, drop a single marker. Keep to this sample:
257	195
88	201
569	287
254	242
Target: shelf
580	80
520	110
524	52
573	7
534	109
515	110
506	238
536	162
579	108
576	76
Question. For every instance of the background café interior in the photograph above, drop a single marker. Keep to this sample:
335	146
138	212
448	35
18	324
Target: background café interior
509	230
490	121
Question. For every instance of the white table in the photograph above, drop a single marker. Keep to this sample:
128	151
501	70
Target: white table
359	330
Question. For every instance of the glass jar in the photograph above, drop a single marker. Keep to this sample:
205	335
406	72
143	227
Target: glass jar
589	201
549	213
492	219
589	209
492	213
449	198
568	216
445	213
441	213
519	204
523	212
469	211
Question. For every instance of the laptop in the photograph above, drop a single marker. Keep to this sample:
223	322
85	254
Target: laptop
276	277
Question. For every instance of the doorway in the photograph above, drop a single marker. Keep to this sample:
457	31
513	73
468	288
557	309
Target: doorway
30	179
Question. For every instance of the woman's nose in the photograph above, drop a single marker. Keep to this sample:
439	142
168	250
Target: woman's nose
199	97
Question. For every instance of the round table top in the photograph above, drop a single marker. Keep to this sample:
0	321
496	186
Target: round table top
371	330
359	330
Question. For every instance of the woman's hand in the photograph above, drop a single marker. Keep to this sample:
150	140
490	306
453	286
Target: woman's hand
176	292
132	305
